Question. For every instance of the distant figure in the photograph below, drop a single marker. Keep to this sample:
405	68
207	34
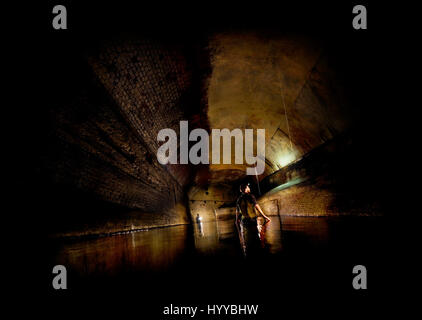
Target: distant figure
198	219
246	220
199	224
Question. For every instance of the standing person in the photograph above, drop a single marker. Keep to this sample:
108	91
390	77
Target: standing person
246	205
246	219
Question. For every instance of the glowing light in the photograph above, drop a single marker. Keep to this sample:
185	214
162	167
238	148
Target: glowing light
285	159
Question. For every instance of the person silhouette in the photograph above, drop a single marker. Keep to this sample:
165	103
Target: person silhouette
246	219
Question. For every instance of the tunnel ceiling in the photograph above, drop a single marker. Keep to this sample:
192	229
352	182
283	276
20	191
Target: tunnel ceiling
251	76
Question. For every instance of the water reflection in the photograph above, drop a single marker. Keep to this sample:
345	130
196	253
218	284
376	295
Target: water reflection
160	249
155	249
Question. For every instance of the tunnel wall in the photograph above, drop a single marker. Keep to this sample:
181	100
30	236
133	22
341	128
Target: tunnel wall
304	199
216	201
330	180
102	143
152	85
95	154
341	177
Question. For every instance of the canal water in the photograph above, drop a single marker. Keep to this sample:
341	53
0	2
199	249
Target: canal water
299	255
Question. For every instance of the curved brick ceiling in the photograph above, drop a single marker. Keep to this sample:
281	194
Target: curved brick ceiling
252	74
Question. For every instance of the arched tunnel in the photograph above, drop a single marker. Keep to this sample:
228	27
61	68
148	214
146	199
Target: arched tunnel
102	132
110	210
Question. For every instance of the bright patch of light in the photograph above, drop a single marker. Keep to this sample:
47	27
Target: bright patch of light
286	158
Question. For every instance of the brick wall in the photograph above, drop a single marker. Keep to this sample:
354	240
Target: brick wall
102	141
329	180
